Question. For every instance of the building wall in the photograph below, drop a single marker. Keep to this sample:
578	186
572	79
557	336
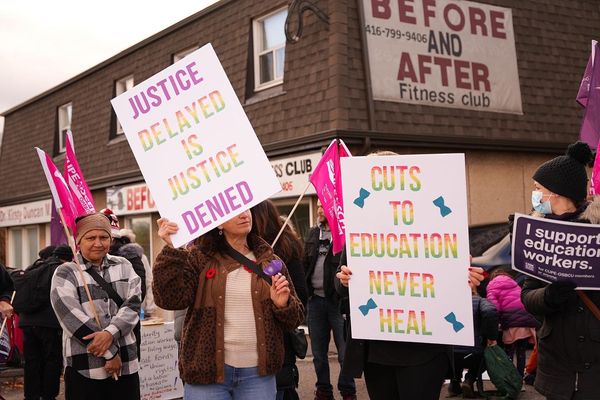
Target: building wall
324	95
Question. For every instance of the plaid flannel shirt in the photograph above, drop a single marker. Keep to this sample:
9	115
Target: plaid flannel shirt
72	308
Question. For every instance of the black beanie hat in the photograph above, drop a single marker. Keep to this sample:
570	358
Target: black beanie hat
63	252
566	175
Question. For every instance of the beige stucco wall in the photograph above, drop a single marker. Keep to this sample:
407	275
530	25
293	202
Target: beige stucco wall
499	184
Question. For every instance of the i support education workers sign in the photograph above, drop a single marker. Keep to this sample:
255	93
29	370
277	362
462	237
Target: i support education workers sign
444	53
194	144
553	250
407	244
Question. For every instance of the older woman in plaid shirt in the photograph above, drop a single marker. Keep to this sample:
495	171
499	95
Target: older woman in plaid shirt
101	361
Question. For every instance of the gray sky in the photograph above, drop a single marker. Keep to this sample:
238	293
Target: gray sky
44	43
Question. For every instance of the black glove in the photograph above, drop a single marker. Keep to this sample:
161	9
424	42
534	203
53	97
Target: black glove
558	293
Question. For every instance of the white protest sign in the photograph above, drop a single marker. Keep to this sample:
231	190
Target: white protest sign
159	374
407	244
443	53
194	144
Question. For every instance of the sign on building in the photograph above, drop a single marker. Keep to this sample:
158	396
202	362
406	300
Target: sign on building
407	245
444	53
293	174
131	199
194	144
36	212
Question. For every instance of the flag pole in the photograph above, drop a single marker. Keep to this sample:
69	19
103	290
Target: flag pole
6	319
290	214
73	249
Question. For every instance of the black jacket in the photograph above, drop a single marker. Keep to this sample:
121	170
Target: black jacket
569	339
7	286
45	316
311	254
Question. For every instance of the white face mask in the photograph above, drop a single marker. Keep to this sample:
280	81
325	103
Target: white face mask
536	202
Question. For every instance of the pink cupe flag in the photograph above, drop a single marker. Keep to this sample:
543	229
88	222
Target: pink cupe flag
60	190
327	180
590	126
84	202
584	86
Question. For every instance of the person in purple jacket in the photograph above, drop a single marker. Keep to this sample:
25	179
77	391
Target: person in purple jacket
517	325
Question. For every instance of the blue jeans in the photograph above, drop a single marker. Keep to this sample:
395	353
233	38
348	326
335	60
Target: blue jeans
323	318
240	383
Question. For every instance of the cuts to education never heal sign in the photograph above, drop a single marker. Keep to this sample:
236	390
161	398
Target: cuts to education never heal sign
444	53
194	144
407	245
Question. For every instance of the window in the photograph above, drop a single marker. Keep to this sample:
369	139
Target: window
142	227
23	246
178	56
64	124
269	49
121	86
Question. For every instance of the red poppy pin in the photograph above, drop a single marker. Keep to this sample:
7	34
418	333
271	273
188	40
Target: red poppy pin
210	273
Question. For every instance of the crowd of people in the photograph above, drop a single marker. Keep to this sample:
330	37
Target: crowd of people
240	293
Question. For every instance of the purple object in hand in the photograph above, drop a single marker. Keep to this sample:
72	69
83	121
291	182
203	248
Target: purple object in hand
273	267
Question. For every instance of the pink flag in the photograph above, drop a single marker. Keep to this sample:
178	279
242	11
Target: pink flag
595	181
60	190
584	87
590	126
327	180
84	202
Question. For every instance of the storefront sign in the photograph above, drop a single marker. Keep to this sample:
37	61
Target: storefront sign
133	199
159	375
444	53
195	146
553	251
36	212
407	244
293	174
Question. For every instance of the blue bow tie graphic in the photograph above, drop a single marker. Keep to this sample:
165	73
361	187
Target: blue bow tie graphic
456	325
360	200
364	309
444	210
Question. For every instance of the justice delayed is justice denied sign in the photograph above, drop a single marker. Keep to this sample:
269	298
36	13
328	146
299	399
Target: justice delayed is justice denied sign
553	251
407	245
195	146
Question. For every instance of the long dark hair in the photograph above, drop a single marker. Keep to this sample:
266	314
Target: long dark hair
266	223
212	242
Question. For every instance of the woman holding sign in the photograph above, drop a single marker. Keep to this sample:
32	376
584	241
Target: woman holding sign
239	300
569	339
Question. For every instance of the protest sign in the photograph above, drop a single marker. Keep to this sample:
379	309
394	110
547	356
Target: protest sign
159	375
443	53
408	248
553	250
194	144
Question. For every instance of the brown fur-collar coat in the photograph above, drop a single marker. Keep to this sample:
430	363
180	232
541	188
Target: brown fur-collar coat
181	281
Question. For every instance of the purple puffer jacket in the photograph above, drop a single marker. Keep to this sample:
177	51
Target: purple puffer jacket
505	294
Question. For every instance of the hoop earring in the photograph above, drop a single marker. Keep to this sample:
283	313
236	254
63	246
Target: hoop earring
220	232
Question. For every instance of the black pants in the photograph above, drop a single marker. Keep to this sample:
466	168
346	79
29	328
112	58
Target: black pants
78	387
43	362
472	362
416	382
287	377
